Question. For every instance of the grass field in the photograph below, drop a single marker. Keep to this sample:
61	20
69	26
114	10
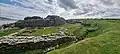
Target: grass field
50	30
7	32
72	28
106	40
45	31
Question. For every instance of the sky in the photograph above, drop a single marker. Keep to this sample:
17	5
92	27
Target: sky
18	9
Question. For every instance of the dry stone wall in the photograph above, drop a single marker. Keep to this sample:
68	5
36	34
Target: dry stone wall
32	42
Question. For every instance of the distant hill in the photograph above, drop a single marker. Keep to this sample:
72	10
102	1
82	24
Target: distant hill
4	18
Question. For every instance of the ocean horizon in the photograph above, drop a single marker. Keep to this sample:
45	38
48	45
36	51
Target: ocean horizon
6	21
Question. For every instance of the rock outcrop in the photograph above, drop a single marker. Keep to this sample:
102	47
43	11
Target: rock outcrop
36	21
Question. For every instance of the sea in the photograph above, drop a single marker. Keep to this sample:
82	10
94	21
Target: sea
6	21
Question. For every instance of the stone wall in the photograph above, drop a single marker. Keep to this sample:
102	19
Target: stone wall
31	43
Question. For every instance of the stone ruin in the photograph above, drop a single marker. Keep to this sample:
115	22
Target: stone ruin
32	42
14	40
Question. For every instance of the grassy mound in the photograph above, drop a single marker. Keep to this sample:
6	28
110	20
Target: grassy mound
72	27
106	40
80	33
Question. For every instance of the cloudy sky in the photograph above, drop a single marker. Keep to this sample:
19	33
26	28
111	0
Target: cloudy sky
18	9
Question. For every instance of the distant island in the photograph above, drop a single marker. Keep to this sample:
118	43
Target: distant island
4	20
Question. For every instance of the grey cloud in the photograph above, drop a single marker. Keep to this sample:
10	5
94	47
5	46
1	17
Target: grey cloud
73	8
77	12
67	4
117	2
49	1
107	2
111	2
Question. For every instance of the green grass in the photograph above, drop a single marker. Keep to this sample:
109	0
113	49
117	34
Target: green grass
106	40
45	31
7	32
39	51
72	28
80	33
50	30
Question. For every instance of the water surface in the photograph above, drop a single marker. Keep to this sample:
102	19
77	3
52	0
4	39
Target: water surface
6	21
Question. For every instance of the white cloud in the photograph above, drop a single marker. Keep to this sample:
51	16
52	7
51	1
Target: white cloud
65	8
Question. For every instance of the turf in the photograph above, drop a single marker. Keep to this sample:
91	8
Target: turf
54	29
72	28
7	32
104	41
45	31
